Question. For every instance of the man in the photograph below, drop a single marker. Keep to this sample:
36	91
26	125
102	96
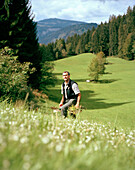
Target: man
70	94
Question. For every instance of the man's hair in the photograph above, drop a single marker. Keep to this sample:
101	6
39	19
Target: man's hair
66	72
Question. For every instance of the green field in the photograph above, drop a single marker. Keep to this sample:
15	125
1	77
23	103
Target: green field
112	99
101	138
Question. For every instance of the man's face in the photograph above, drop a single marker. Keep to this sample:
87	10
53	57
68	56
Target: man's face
66	76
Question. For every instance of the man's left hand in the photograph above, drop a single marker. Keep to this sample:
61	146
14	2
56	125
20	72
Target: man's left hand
77	105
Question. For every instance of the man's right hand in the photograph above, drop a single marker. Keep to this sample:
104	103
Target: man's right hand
60	104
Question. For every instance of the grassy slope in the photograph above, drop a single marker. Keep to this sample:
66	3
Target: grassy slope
110	100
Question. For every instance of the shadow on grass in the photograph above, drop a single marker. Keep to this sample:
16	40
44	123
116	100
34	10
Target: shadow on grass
104	81
107	81
89	103
87	100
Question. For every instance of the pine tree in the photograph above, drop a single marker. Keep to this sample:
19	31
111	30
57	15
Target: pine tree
113	36
128	46
4	24
23	35
104	38
129	19
95	41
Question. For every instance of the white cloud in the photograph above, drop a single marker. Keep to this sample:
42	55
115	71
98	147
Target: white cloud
80	10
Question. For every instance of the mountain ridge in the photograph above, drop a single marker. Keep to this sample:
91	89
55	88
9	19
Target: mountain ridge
53	28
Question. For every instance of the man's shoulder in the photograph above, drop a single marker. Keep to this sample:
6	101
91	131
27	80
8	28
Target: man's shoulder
73	82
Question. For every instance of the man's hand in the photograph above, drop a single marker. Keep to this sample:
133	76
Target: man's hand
77	105
61	104
78	101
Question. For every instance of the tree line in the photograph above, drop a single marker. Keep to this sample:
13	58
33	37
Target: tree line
115	38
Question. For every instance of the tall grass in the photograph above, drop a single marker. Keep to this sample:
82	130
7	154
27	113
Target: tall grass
33	140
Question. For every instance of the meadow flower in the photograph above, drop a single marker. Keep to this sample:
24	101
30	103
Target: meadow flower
80	142
128	140
95	147
15	137
88	138
45	140
26	166
22	125
26	157
54	132
24	140
58	147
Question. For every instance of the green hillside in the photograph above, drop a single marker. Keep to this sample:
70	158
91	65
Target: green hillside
42	139
112	99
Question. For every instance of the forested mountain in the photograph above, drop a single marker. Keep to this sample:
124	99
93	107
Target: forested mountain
51	29
115	38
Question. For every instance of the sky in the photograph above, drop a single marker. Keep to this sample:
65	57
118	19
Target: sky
95	11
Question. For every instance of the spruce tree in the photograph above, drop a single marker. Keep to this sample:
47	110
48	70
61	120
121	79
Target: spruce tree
4	24
23	35
95	41
113	36
104	38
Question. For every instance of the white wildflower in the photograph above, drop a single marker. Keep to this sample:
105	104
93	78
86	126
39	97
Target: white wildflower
22	125
80	142
128	140
24	140
7	108
95	147
54	132
26	165
88	139
58	148
45	140
26	157
15	137
56	137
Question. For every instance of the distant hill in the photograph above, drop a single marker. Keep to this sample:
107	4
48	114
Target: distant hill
51	29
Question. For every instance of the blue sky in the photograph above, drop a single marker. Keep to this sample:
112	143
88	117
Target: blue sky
80	10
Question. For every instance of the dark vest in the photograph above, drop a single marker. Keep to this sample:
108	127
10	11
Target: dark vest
70	92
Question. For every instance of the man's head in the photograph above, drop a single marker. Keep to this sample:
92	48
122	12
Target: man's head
66	76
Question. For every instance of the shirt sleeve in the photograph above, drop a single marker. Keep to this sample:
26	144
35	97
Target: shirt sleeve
61	89
75	88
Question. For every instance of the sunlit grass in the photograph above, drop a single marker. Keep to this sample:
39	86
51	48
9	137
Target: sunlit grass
33	140
101	138
112	99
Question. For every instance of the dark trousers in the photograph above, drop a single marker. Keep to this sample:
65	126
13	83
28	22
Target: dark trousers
65	106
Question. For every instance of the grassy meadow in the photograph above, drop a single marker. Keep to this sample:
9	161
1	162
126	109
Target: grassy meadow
101	138
112	99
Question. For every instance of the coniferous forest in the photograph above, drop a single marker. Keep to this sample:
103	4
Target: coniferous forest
115	38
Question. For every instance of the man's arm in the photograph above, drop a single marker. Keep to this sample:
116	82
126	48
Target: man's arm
62	101
78	101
